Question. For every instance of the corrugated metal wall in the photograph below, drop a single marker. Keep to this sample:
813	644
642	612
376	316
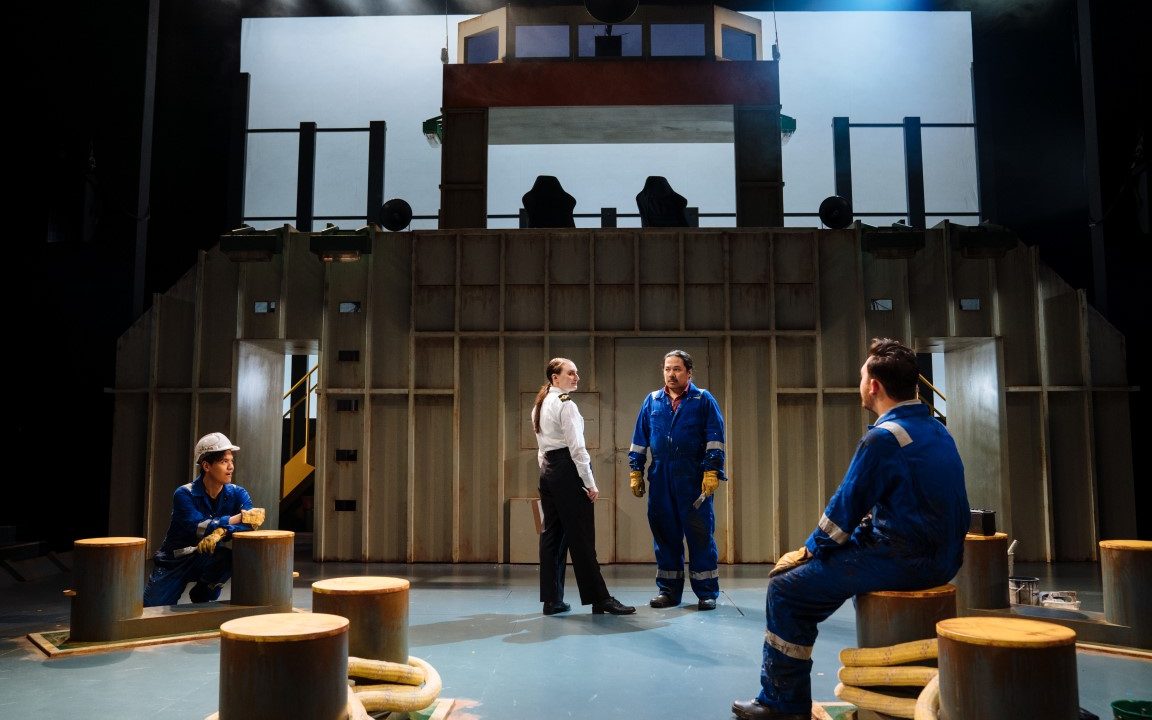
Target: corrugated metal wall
454	330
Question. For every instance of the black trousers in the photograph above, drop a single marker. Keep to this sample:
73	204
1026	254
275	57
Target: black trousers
569	527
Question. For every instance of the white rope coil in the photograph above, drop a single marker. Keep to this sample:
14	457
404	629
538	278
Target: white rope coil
928	704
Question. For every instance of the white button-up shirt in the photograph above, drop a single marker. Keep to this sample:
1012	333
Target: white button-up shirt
562	425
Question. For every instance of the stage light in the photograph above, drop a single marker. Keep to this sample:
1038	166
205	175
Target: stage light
396	214
897	242
247	244
836	212
433	129
787	128
335	245
981	242
611	11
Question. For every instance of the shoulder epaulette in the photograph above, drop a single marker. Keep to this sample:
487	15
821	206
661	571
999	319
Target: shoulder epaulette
565	397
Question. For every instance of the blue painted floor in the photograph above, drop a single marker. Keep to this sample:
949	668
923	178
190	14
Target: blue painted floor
480	626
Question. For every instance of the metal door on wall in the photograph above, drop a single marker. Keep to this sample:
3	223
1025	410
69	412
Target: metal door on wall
638	370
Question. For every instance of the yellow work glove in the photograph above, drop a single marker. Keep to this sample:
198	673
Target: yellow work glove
710	482
636	482
208	544
790	560
253	517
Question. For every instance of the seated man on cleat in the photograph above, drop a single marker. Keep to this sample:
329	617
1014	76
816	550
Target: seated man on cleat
897	522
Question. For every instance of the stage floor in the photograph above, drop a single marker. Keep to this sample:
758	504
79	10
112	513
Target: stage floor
481	627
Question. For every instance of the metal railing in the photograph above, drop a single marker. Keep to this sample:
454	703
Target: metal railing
935	392
916	213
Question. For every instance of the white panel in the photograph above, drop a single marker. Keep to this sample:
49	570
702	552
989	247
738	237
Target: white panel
259	426
974	420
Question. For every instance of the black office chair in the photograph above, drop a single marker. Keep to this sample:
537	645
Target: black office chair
548	205
660	205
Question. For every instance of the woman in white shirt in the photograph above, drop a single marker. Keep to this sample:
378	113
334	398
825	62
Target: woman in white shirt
567	491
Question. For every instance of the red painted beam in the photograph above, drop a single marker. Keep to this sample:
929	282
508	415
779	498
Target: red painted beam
610	82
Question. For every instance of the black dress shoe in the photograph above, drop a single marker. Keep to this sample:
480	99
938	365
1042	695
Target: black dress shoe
663	600
611	606
556	606
707	604
753	710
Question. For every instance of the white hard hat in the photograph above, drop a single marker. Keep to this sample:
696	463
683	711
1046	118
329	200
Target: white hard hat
212	442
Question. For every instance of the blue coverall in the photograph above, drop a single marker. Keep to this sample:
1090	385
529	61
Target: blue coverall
897	522
684	445
177	563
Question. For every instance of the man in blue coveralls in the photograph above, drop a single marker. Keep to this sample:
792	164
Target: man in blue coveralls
683	427
897	522
205	512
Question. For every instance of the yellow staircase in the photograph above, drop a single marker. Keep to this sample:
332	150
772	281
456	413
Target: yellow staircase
295	470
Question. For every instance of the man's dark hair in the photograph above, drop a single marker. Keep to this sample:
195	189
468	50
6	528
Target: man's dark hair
212	457
684	357
893	365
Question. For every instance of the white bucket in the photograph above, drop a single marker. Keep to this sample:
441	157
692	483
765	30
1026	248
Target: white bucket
1023	590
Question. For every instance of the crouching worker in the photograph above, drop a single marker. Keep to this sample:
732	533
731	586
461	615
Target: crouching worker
205	513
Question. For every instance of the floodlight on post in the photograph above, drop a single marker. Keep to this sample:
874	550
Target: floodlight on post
433	129
335	245
787	128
